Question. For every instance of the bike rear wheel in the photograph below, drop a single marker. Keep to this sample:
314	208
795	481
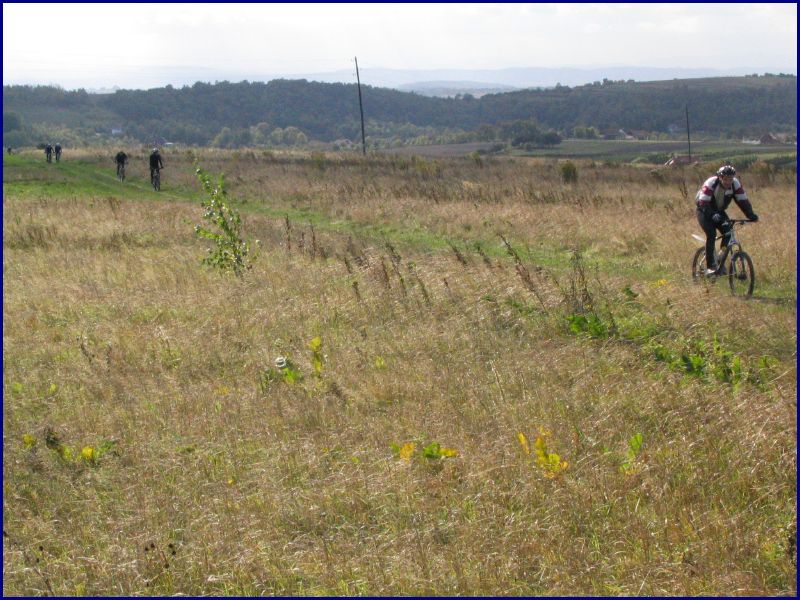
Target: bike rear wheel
742	276
699	264
121	173
156	181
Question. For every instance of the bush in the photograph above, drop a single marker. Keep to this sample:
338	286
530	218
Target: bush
230	252
318	160
476	158
569	172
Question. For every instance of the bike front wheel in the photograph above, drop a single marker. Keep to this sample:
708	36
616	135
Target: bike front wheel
742	276
699	264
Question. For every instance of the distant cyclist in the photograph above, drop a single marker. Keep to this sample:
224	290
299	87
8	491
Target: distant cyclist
58	152
48	153
155	163
712	200
121	158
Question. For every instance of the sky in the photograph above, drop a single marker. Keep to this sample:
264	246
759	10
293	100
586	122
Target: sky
151	45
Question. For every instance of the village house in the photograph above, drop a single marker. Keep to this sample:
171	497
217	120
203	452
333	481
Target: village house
616	134
639	134
682	159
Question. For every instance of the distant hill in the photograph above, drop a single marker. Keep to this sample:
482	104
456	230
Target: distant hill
450	89
516	77
251	112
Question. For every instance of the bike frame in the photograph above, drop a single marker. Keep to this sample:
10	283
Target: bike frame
733	240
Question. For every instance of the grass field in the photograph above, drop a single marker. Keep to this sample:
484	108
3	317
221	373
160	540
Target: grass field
629	150
562	414
618	151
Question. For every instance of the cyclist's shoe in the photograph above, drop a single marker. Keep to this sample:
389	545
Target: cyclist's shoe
711	272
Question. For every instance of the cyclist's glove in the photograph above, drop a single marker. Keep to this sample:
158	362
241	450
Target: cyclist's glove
718	218
753	217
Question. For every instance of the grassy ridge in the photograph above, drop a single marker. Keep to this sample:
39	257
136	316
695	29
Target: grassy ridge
152	446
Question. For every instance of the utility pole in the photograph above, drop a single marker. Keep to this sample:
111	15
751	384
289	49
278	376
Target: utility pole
361	108
688	135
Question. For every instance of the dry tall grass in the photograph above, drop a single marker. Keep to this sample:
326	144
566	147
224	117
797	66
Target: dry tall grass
150	450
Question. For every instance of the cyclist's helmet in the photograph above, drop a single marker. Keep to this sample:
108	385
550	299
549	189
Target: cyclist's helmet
155	150
726	171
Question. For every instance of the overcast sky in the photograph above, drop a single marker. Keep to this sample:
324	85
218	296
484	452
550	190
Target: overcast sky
150	45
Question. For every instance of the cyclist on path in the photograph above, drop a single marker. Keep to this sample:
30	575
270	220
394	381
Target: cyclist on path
121	158
155	163
712	199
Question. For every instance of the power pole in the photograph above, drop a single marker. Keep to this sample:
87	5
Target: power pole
361	108
688	135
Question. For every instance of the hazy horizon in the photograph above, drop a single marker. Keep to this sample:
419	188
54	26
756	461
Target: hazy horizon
418	79
141	46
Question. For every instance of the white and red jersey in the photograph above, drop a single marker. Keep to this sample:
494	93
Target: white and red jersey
713	197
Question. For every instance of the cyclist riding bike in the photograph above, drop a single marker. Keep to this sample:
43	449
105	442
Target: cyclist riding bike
712	200
58	152
48	152
155	163
121	158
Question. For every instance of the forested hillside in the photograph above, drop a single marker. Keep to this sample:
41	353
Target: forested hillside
291	111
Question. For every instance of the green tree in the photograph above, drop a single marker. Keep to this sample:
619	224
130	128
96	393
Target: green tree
521	132
486	133
276	136
224	138
260	132
551	138
242	137
15	139
11	121
292	136
585	133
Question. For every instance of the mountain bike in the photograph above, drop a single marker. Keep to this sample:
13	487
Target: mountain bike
734	262
121	171
156	179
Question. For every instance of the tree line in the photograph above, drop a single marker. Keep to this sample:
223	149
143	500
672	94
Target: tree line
293	112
